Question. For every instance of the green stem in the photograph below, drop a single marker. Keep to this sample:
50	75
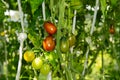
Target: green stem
60	23
93	60
69	19
68	74
55	71
51	7
102	65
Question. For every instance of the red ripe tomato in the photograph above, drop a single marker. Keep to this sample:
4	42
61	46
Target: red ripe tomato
50	27
49	43
112	29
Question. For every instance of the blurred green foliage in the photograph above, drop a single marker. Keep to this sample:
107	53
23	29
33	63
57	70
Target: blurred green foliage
104	54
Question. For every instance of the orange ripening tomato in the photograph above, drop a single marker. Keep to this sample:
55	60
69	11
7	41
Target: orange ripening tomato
50	28
49	43
112	29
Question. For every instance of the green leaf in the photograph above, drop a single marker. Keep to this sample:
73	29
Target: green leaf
113	2
35	4
76	4
33	37
2	9
42	77
103	6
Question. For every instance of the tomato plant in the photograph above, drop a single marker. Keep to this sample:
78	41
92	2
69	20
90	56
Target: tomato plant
64	45
29	56
49	43
50	27
45	69
37	63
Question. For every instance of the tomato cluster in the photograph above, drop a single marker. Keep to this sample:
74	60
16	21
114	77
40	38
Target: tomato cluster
66	43
48	45
37	63
49	41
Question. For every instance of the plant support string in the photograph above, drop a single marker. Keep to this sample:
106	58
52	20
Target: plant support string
91	32
43	10
74	21
21	37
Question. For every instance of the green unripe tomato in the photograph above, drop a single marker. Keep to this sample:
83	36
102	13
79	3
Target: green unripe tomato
37	63
64	45
72	40
45	69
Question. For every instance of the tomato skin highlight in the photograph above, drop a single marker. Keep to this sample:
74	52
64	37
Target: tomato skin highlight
37	63
45	69
49	43
64	45
29	56
50	27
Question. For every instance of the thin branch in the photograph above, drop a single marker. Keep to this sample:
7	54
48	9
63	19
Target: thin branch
91	32
6	4
43	10
74	21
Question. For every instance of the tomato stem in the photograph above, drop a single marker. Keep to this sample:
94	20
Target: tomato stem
51	7
69	19
60	23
